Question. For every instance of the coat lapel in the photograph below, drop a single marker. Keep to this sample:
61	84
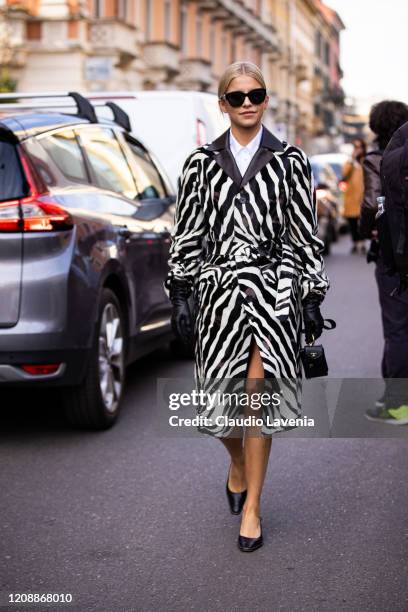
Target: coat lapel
223	156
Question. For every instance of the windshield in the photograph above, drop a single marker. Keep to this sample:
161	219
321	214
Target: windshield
338	169
316	173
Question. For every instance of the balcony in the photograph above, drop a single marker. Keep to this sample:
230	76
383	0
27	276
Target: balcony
301	70
335	95
195	73
110	35
240	17
162	61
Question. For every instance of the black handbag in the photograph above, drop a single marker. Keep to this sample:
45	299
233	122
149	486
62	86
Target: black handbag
313	357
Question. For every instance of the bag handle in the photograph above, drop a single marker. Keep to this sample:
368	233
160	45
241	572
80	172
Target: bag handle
332	323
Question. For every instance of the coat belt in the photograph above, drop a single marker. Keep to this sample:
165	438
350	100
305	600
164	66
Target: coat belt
260	254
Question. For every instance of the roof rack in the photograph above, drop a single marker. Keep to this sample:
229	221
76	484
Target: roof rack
120	116
85	109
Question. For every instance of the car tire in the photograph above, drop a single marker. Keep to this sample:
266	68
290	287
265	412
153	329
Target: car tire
95	403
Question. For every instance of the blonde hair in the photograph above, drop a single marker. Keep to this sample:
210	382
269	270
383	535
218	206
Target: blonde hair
237	69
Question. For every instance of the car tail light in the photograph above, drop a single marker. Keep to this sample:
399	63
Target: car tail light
36	212
40	369
10	218
41	216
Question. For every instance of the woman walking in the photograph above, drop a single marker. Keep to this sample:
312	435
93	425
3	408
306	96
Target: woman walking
353	195
245	245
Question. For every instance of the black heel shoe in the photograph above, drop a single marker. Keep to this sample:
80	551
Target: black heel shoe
249	544
235	500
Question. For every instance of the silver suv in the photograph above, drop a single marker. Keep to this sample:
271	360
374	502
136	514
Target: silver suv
85	219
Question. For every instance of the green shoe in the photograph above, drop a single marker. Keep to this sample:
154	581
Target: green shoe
391	416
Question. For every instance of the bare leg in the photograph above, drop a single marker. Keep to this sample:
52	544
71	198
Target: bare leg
236	482
256	452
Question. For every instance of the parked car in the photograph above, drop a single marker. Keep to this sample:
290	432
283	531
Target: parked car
327	179
85	222
170	122
335	160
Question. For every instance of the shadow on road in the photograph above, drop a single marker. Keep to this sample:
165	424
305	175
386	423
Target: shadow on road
34	410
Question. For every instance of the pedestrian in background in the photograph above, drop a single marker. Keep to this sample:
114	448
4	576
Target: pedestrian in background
385	118
354	191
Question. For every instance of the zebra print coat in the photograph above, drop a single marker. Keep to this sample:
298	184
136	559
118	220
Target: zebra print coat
249	247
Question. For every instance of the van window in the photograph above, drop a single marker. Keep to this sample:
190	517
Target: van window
107	160
12	182
148	181
64	150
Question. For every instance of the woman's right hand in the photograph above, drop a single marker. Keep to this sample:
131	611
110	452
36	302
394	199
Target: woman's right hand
181	319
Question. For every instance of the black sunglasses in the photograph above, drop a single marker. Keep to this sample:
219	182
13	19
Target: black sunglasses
237	98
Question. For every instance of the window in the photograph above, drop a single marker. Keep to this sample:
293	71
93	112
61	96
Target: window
108	162
148	181
148	28
183	30
199	32
98	8
233	48
64	150
224	51
167	20
122	9
318	44
326	53
212	42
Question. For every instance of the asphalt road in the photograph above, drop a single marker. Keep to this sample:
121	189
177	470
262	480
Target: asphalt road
132	520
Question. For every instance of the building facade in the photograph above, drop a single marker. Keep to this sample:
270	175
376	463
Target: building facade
91	45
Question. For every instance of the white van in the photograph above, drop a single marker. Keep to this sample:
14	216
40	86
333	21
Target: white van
171	123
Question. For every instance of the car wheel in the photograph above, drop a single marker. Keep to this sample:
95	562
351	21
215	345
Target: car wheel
95	404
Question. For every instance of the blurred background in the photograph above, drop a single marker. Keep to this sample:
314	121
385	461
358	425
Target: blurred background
324	62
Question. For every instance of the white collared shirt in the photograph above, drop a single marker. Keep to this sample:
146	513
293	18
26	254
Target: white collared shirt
244	154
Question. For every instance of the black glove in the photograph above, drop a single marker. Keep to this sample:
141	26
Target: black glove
312	318
181	318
